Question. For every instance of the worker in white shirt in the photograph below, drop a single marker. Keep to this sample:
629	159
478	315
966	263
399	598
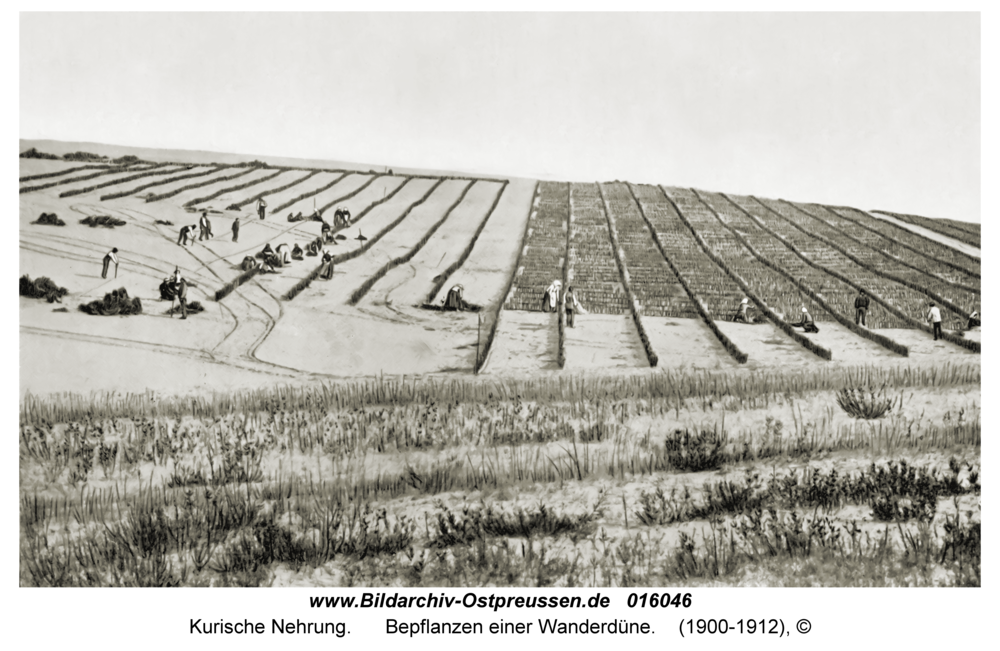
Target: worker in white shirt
934	316
112	256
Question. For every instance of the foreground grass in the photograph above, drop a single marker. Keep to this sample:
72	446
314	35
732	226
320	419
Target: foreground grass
507	491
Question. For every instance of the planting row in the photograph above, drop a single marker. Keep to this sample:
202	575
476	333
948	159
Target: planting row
656	288
156	170
970	234
900	242
173	178
716	292
593	272
544	250
257	175
84	177
774	289
861	265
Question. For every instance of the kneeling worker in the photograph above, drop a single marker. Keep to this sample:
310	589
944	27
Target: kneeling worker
807	324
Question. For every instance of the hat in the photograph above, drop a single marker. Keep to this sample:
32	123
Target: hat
745	300
804	309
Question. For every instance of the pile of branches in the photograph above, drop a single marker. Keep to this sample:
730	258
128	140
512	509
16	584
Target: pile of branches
103	220
83	155
192	308
50	219
164	222
117	302
297	218
42	287
233	206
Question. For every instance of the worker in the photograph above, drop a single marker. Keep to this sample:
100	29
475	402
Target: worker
316	216
236	229
261	205
807	323
455	299
346	216
571	305
182	296
187	233
205	225
297	252
249	263
741	312
112	256
338	218
284	254
934	316
266	252
326	232
327	272
974	320
177	275
861	309
551	297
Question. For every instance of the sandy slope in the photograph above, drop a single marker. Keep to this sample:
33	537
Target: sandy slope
410	283
686	344
604	341
486	272
525	342
284	178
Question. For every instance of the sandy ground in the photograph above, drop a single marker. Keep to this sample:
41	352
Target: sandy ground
176	172
252	337
525	342
33	166
410	283
604	341
486	272
314	182
686	344
929	234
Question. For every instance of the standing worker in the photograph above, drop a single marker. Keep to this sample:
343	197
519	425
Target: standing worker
182	292
551	297
261	205
205	225
112	256
934	316
974	320
571	305
236	229
861	309
327	273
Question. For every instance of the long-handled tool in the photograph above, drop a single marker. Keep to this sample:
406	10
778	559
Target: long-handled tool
116	270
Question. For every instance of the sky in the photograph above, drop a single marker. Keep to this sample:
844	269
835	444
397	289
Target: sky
874	110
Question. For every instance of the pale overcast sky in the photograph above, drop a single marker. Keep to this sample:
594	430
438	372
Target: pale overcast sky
872	110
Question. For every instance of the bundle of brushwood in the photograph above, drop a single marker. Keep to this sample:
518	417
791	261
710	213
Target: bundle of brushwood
42	287
102	220
193	307
115	302
50	219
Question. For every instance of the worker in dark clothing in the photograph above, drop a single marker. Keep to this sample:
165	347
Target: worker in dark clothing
326	232
261	205
236	229
182	292
327	272
571	305
187	233
455	299
112	256
206	227
346	216
861	309
807	324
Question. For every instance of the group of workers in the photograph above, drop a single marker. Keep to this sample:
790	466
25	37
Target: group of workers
554	296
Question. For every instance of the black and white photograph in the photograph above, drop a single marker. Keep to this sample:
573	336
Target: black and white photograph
612	321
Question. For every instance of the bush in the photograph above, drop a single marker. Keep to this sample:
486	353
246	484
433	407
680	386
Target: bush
868	406
698	452
34	153
49	219
116	302
102	220
83	155
42	287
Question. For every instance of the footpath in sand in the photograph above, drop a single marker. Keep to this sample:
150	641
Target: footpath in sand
409	283
489	267
604	341
525	343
